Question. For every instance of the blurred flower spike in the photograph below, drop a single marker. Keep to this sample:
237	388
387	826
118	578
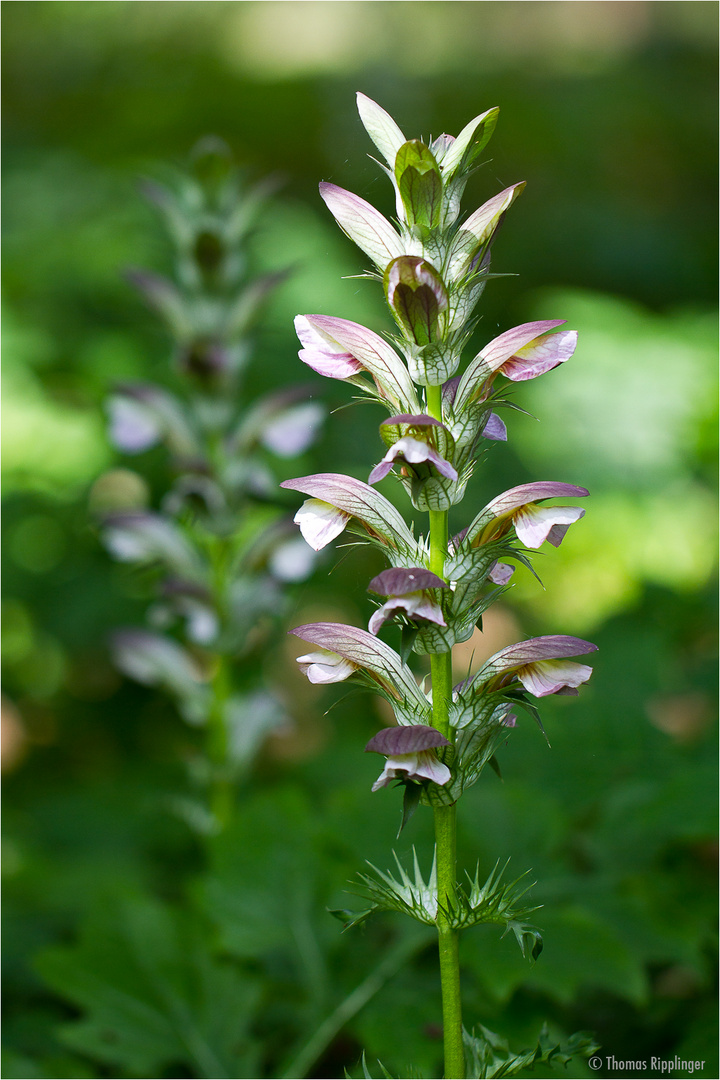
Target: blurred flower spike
411	755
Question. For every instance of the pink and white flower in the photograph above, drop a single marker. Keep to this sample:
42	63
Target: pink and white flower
411	755
533	524
540	664
414	452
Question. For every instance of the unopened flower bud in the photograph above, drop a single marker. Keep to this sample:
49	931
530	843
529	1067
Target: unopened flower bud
417	296
419	183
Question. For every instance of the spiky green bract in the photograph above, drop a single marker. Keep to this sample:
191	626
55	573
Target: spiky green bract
410	1074
495	901
487	1055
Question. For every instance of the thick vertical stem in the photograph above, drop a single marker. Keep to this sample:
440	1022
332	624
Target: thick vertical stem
445	816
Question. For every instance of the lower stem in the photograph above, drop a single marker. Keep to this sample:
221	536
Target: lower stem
445	838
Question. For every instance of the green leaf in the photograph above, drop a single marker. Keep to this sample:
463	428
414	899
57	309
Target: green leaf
152	993
488	1055
411	801
419	183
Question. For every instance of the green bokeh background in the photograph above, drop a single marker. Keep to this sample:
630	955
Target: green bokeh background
608	110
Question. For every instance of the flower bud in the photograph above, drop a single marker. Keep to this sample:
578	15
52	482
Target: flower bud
417	296
419	183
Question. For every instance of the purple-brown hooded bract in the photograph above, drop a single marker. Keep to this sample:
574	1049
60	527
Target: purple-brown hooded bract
406	740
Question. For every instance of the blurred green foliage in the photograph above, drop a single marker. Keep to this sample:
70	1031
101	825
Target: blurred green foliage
122	934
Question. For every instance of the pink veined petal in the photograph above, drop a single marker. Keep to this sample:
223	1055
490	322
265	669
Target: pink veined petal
365	225
552	676
331	365
495	429
540	356
534	524
380	471
509	343
320	522
501	573
323	354
325	667
519	496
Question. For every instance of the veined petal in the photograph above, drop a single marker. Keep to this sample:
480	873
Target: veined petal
504	505
360	501
540	356
381	128
320	522
325	667
553	676
497	353
423	765
372	352
511	342
370	653
323	354
365	225
410	739
478	229
495	429
400	580
455	153
534	524
501	573
532	651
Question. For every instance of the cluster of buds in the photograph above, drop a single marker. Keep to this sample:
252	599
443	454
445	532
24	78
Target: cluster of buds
433	266
220	542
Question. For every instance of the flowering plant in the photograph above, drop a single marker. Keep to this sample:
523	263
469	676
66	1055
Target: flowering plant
433	266
220	544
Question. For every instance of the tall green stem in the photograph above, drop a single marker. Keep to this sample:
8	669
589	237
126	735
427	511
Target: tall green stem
445	816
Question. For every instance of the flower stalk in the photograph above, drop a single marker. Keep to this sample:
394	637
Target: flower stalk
434	268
